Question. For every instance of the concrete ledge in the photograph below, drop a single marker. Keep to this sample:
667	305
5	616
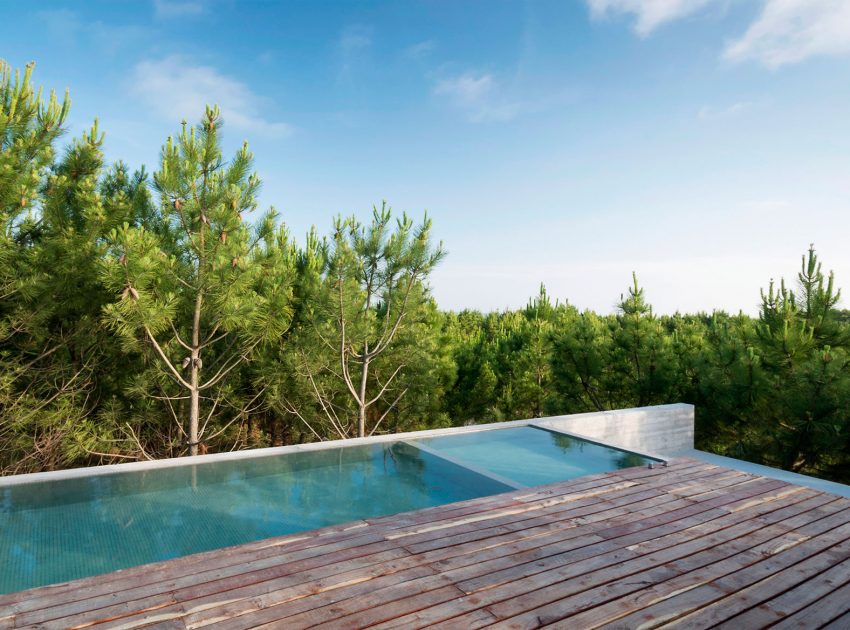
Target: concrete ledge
771	473
664	429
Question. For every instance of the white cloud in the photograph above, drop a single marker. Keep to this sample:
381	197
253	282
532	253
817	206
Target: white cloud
709	112
466	89
354	43
786	31
419	50
478	96
355	38
177	89
70	29
165	9
789	31
649	14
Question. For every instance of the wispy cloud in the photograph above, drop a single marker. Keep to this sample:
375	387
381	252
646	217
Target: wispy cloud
785	31
177	89
789	31
467	89
166	9
648	14
419	50
709	112
478	95
353	44
68	27
485	97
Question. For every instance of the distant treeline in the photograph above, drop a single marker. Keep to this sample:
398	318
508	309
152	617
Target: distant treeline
146	316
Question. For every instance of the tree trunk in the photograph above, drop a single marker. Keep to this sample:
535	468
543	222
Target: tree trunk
195	392
361	414
194	409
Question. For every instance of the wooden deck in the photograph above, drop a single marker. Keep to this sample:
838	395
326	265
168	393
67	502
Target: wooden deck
688	546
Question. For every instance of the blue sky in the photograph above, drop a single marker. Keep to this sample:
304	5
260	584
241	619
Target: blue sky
701	143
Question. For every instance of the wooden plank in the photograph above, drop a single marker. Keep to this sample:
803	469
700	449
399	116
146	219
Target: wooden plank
188	592
828	610
475	558
556	518
535	593
478	618
390	610
270	605
796	550
295	548
719	554
624	595
472	558
329	606
210	568
839	623
774	584
767	613
499	554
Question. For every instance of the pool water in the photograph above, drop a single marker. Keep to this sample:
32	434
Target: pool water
61	530
532	456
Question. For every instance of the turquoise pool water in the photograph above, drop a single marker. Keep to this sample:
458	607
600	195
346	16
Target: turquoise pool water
60	530
532	456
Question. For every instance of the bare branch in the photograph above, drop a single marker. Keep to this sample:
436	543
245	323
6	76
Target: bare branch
228	367
294	411
177	336
386	386
161	354
386	341
386	413
138	442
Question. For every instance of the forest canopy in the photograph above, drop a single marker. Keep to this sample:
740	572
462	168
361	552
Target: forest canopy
148	315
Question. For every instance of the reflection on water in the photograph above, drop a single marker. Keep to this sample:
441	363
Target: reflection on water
619	459
533	456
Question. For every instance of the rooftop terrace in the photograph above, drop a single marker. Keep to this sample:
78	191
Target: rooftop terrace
690	545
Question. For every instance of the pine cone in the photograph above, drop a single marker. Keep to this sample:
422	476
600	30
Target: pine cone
133	293
234	262
186	362
223	236
177	204
122	260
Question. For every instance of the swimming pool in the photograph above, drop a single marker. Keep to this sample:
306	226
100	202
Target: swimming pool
54	531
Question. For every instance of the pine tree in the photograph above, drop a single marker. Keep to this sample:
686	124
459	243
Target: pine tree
642	352
205	286
373	288
802	408
29	127
581	359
